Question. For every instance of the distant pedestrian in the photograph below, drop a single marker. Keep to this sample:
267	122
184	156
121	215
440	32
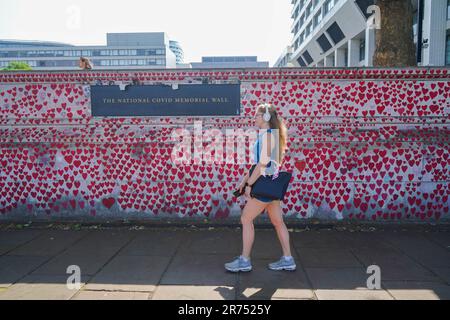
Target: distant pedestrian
85	63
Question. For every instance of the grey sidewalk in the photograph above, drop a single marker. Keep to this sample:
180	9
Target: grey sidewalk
118	263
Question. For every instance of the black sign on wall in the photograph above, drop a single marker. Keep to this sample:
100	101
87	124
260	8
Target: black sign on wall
164	100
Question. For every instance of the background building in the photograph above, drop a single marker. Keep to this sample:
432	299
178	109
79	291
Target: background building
285	58
177	50
122	51
335	33
230	62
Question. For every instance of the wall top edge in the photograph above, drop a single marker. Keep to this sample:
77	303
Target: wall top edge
228	74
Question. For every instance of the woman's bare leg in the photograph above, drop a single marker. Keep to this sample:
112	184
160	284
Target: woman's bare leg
252	209
276	217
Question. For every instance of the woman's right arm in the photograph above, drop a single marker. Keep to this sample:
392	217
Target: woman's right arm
244	180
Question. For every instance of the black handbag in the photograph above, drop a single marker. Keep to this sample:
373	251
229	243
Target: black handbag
267	187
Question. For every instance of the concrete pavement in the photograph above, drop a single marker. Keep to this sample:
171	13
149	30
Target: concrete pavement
187	263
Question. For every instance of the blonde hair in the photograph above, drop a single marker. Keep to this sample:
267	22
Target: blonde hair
88	63
276	122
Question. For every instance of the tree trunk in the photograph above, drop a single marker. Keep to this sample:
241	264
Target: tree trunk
394	41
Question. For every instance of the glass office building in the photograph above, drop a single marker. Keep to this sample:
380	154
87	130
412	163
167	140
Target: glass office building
230	62
122	51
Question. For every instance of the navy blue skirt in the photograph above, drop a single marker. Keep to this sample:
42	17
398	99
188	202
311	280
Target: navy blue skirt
263	199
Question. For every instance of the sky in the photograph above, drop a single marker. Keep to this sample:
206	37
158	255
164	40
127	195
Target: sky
202	27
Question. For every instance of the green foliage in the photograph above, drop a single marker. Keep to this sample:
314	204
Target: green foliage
17	65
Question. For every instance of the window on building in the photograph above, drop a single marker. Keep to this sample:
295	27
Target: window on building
448	9
13	53
447	52
323	42
335	33
295	45
296	13
308	29
308	10
301	62
317	18
327	6
415	26
302	20
307	57
302	3
362	49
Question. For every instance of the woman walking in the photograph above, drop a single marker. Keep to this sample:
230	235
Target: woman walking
85	64
268	153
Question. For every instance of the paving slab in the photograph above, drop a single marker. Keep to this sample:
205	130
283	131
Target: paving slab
41	288
102	242
197	292
263	283
315	239
49	243
337	278
353	295
267	246
154	242
130	273
110	295
441	238
420	248
327	257
373	240
199	269
416	290
394	265
213	242
443	273
89	263
10	239
13	268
